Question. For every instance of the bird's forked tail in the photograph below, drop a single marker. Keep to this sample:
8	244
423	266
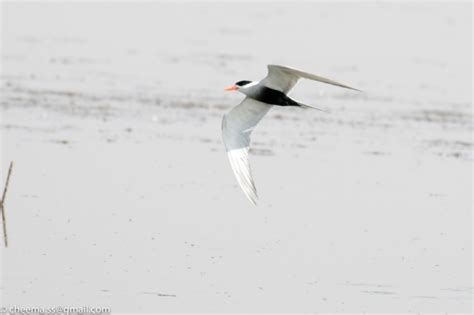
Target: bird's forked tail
312	107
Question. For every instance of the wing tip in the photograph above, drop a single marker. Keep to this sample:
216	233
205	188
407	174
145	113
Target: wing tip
355	89
251	194
348	87
253	200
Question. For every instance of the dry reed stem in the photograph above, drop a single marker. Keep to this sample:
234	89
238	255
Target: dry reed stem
2	205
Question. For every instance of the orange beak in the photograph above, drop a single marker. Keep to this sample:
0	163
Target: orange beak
231	88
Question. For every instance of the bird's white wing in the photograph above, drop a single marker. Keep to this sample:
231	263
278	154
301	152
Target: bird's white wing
237	126
284	78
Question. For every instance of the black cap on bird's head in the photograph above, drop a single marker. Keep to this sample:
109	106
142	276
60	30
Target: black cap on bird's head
237	85
243	82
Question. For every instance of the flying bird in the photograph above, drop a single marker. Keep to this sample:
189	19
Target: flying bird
238	124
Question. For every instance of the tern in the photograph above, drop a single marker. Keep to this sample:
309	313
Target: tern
261	96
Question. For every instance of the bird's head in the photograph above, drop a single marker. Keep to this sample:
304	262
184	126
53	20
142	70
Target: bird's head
241	86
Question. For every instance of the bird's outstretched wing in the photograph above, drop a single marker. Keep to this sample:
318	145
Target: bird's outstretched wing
237	126
284	78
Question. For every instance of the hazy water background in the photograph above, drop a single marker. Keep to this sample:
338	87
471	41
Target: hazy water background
122	194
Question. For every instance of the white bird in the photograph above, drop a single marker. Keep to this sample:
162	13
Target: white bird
238	124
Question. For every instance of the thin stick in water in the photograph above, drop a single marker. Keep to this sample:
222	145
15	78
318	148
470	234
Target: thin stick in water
2	205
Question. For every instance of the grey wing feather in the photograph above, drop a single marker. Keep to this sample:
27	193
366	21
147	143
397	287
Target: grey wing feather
284	78
278	78
237	127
